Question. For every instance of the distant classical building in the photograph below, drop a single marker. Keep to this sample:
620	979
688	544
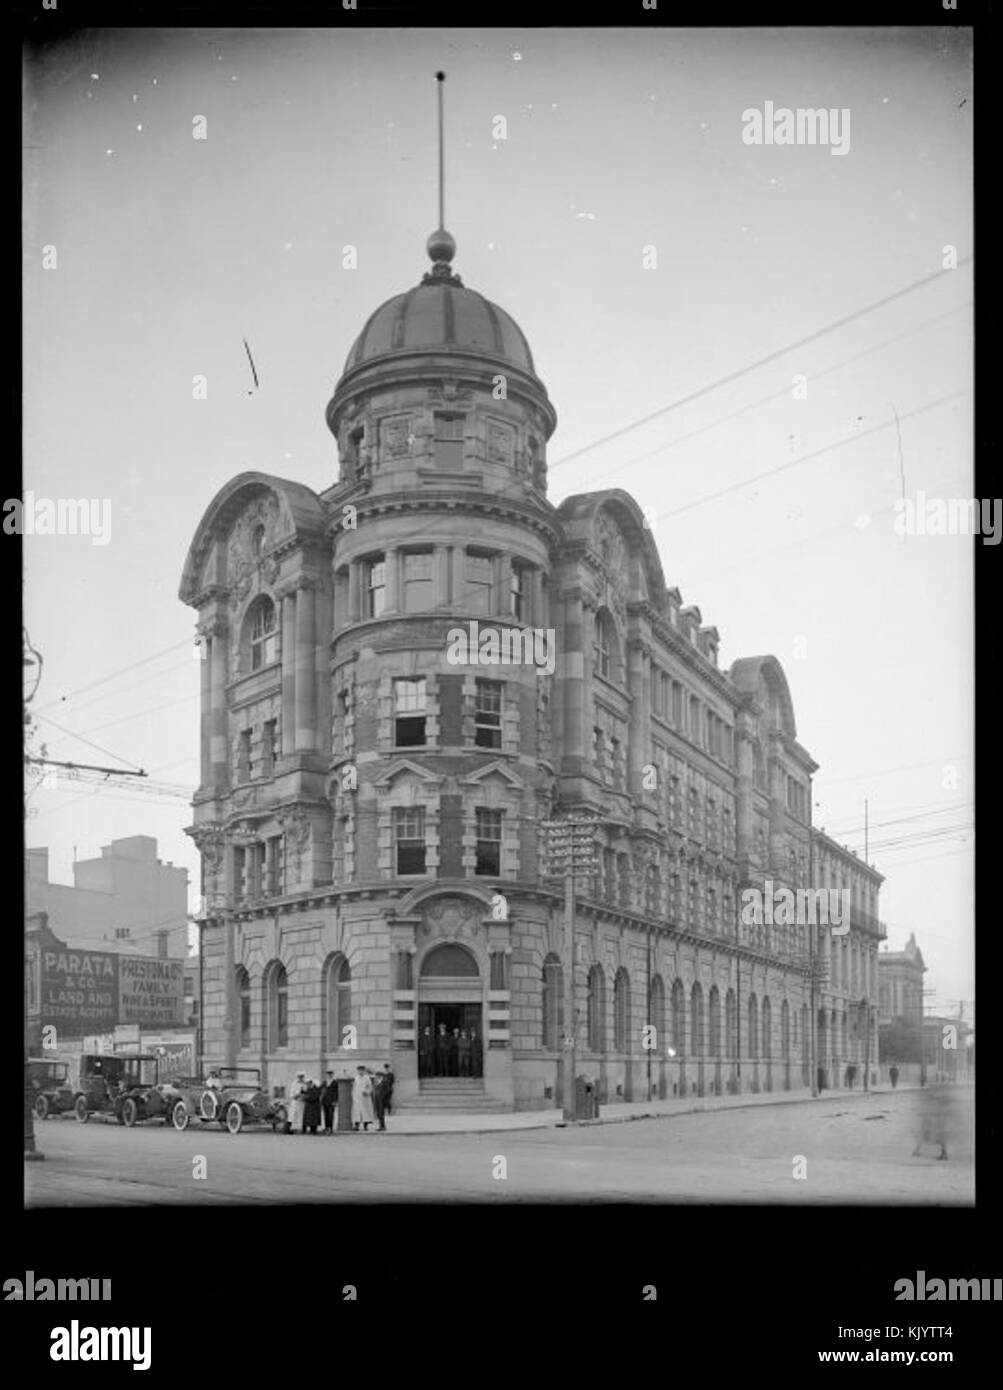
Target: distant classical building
126	900
900	984
373	817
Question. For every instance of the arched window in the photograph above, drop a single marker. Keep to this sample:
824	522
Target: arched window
450	959
730	1024
621	1011
785	1029
714	1019
277	1005
656	1013
606	647
337	1000
767	1028
243	982
753	1026
678	1019
553	1003
262	629
597	1010
696	1020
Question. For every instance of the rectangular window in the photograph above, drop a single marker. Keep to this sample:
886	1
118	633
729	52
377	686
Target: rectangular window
598	751
677	705
273	864
269	746
239	883
696	724
616	764
517	593
419	593
489	834
480	577
244	756
409	835
487	714
449	442
409	712
376	587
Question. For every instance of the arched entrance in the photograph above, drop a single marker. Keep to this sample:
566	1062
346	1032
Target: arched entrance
450	1014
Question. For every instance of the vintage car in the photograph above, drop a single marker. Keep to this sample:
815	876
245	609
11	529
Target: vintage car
236	1101
119	1084
49	1081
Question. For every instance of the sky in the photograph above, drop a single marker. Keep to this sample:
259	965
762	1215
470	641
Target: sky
648	252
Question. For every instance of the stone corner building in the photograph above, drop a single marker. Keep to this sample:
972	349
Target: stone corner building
365	806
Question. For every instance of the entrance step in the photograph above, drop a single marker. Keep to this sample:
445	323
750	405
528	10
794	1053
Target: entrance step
459	1094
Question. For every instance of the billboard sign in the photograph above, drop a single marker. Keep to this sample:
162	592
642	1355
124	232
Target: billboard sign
79	990
151	991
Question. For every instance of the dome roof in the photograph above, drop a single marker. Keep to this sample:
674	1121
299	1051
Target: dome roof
441	316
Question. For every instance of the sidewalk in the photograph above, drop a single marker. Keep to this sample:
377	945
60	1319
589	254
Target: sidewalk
448	1122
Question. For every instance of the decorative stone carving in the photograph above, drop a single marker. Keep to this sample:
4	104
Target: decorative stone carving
395	436
500	443
453	917
296	828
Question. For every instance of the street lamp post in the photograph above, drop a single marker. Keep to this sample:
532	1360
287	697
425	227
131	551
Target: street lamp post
572	850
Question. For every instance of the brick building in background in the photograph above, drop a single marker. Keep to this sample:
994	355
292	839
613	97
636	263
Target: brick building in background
371	817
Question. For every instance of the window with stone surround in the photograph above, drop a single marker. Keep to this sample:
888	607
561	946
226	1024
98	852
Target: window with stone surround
409	712
418	573
244	756
517	592
621	1011
696	1021
409	839
596	1010
714	1022
678	1020
606	647
677	705
487	714
269	746
374	573
262	624
337	998
489	838
656	1013
553	1003
274	864
449	430
753	1039
767	1028
276	986
479	591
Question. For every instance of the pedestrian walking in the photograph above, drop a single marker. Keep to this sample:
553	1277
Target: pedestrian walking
362	1099
385	1084
937	1119
296	1093
893	1076
328	1101
311	1107
463	1051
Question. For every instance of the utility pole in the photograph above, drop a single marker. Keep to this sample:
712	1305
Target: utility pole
811	926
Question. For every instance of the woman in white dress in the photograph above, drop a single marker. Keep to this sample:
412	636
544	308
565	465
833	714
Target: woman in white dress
362	1099
297	1105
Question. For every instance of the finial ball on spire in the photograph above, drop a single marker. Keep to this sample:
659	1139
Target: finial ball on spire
440	77
441	246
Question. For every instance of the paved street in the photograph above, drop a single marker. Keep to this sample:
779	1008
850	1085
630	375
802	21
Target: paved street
856	1149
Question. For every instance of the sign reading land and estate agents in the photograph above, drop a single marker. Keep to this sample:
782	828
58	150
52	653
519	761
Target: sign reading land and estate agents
85	992
151	991
79	991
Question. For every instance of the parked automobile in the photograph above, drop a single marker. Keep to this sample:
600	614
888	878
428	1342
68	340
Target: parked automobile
108	1080
235	1101
49	1080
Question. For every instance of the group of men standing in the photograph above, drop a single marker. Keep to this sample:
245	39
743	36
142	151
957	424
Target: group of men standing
456	1053
372	1100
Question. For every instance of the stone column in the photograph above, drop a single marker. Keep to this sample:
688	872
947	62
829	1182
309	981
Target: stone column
354	581
441	571
503	580
218	751
778	800
305	670
288	639
639	686
205	717
576	685
743	790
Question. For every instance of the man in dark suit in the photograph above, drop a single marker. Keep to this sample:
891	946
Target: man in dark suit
426	1053
463	1053
383	1095
454	1052
442	1052
476	1054
328	1101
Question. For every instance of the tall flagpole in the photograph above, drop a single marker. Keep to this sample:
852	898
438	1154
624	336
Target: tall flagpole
440	78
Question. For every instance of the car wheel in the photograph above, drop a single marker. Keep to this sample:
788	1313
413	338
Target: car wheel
41	1107
130	1112
208	1106
180	1116
234	1117
80	1109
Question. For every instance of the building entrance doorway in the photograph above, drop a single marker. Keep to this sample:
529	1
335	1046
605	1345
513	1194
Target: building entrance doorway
450	1057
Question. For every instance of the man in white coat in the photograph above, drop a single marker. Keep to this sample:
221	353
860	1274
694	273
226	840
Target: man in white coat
362	1099
297	1106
